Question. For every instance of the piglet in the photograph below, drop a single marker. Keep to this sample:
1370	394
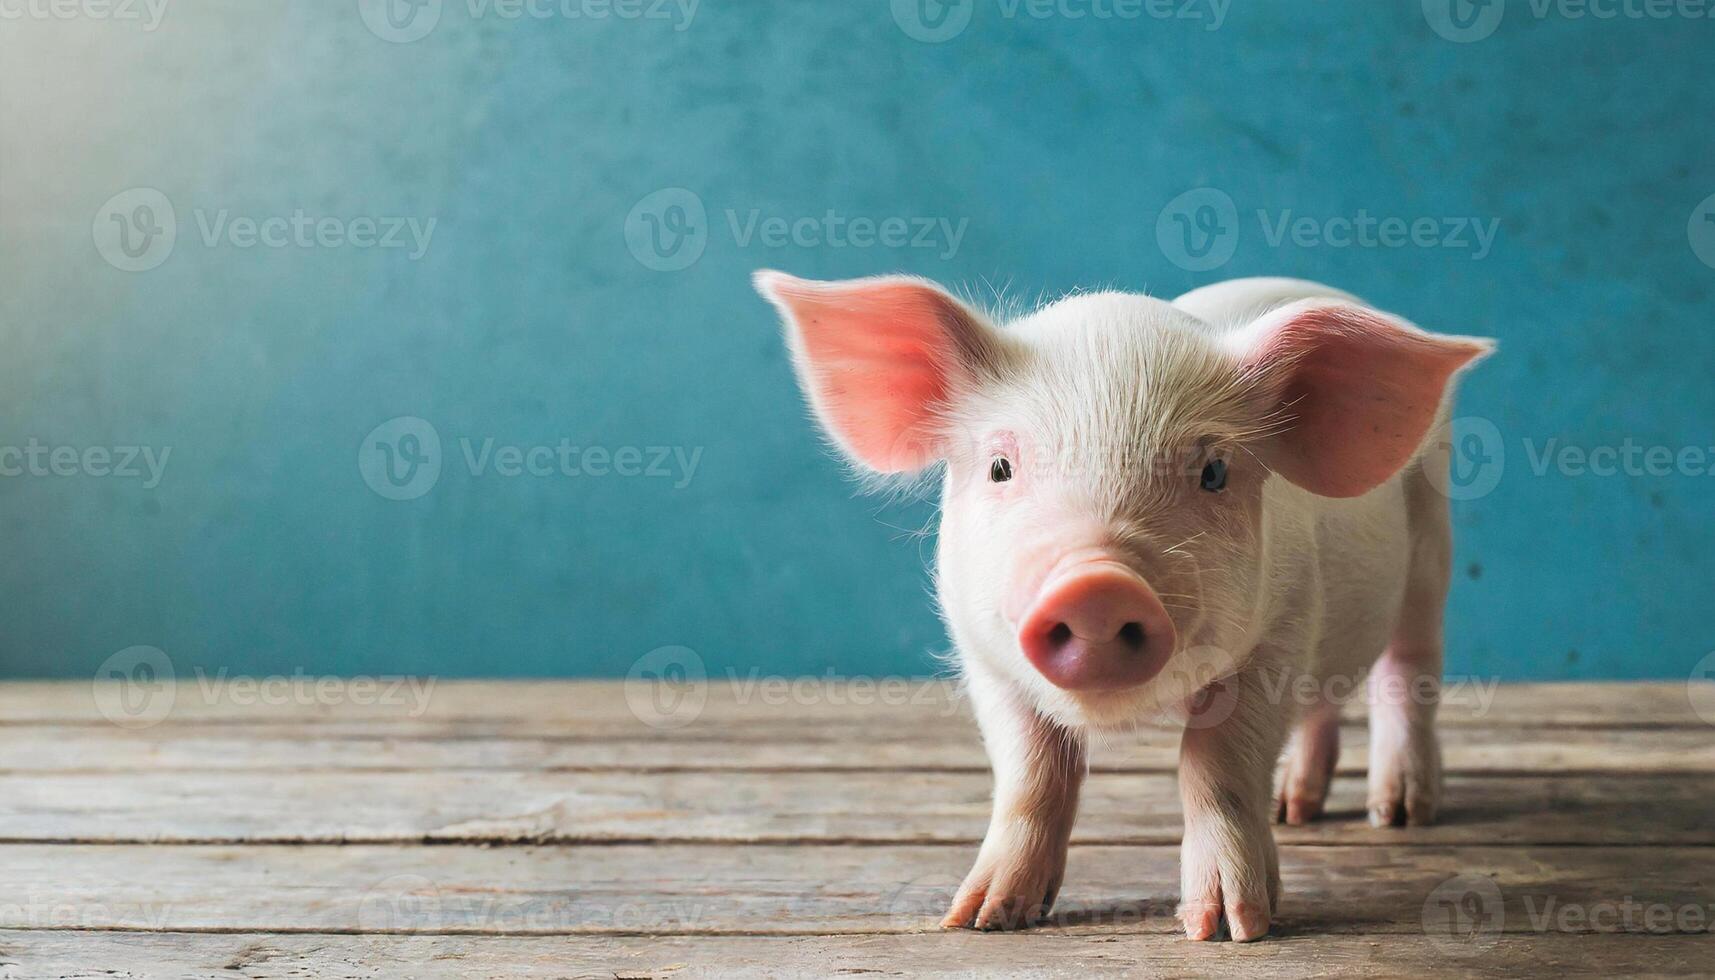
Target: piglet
1152	509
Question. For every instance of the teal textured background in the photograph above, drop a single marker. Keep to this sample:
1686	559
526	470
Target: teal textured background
535	314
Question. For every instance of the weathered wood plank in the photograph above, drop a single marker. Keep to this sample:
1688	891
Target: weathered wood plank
535	706
1599	794
306	747
750	807
94	955
819	890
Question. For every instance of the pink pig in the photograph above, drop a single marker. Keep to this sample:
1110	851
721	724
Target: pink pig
1161	510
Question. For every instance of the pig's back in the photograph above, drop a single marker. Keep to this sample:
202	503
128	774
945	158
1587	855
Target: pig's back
1236	302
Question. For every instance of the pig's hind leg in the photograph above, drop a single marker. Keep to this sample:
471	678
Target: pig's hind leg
1309	766
1405	685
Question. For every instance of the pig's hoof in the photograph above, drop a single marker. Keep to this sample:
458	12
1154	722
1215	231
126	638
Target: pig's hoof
1005	895
1205	921
1297	809
1303	791
1229	888
1413	811
1309	769
1406	802
990	910
1405	790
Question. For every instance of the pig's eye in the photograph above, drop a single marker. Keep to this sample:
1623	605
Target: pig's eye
1000	470
1214	475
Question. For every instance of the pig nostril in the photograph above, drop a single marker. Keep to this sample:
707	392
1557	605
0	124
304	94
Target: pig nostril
1095	625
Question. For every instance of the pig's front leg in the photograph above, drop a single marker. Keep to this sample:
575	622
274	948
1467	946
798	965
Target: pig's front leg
1038	770
1228	865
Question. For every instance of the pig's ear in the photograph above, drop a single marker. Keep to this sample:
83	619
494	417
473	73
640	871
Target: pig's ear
1356	391
879	360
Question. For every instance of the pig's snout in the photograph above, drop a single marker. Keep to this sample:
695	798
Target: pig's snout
1096	625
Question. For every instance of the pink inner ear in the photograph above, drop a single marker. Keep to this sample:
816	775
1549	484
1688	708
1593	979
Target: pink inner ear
876	358
1361	389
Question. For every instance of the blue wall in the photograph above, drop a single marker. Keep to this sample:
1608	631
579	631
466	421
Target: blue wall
541	309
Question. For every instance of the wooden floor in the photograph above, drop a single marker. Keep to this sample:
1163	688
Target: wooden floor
544	830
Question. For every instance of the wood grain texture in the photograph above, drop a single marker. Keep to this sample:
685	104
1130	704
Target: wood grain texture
448	747
94	955
770	807
760	705
812	889
546	830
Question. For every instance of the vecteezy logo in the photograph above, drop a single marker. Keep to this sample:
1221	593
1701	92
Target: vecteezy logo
136	229
667	687
134	687
1701	231
1198	230
400	459
1205	674
1466	458
400	21
668	230
1700	689
402	903
1464	21
933	21
1464	911
920	902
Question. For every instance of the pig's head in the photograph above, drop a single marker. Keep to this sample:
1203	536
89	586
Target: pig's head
1103	526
